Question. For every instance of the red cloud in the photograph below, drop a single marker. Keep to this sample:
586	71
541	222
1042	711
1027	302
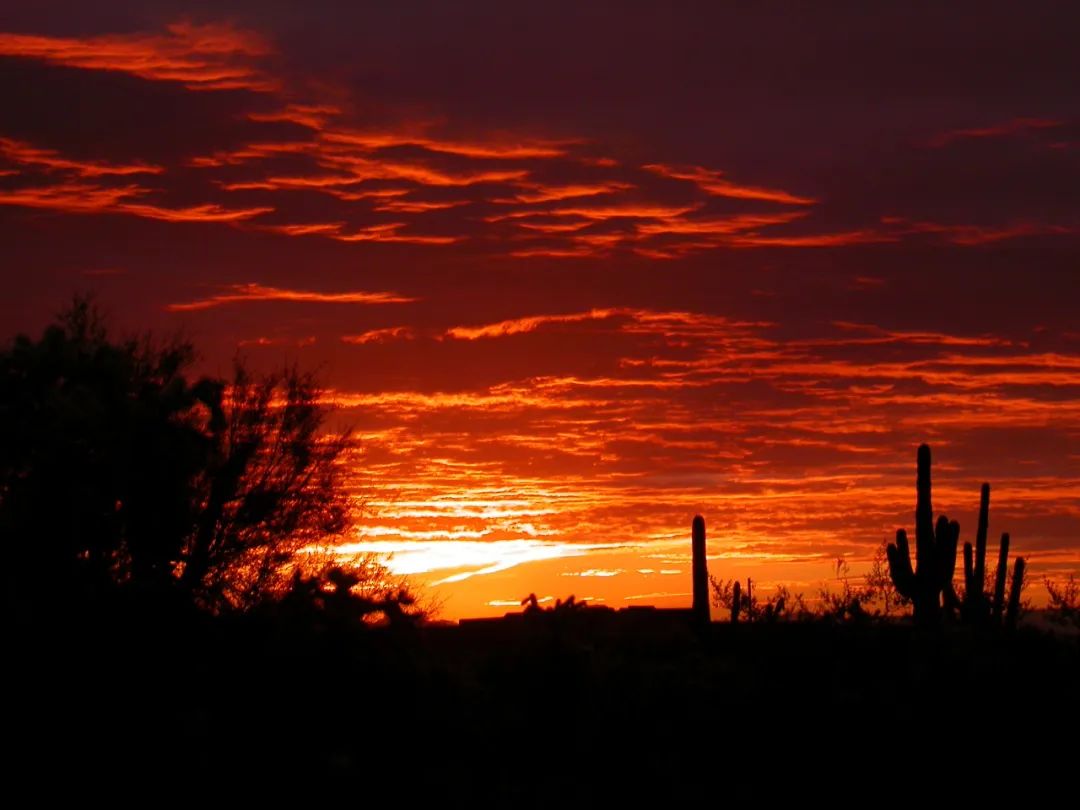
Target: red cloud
380	335
714	182
29	155
235	293
202	57
1015	126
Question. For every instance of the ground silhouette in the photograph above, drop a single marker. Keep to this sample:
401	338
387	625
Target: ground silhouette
146	515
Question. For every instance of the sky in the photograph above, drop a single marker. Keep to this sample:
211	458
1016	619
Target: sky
574	272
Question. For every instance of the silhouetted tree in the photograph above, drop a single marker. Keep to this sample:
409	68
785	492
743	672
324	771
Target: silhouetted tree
118	468
270	487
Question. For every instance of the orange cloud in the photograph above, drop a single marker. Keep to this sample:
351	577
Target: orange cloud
553	227
207	212
494	149
861	237
625	210
254	151
419	206
81	198
713	182
390	232
540	193
380	335
307	229
726	225
878	335
366	168
27	154
202	57
555	252
519	325
257	292
70	197
312	116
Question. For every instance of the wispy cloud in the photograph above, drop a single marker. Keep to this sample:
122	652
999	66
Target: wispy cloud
87	198
1014	126
202	57
237	293
714	182
27	154
380	335
517	326
426	179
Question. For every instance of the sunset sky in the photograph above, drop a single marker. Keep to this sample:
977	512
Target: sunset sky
574	272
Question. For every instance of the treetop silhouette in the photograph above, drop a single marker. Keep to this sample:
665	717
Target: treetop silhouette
119	466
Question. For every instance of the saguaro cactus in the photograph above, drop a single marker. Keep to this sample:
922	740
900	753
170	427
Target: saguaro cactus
997	607
700	570
975	604
1013	611
979	607
976	607
1000	575
930	582
929	586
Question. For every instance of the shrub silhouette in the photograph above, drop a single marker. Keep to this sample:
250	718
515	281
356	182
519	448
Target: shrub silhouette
1064	603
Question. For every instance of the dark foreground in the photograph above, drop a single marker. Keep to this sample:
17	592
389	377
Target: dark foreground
555	711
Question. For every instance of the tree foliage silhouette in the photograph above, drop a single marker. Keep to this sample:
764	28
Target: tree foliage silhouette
270	486
119	468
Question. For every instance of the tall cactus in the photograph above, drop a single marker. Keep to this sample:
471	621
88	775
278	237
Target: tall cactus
998	606
929	586
1013	611
930	582
980	607
976	606
999	577
700	571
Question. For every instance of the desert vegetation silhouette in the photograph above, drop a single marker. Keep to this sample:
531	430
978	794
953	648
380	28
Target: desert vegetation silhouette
123	470
173	618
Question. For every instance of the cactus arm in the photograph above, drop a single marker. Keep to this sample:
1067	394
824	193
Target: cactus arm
899	555
947	565
979	573
1013	610
946	550
1000	576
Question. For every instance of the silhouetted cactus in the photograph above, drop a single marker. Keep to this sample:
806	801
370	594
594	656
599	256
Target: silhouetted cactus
929	586
979	607
1000	575
930	582
700	571
1013	611
736	602
976	606
773	610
